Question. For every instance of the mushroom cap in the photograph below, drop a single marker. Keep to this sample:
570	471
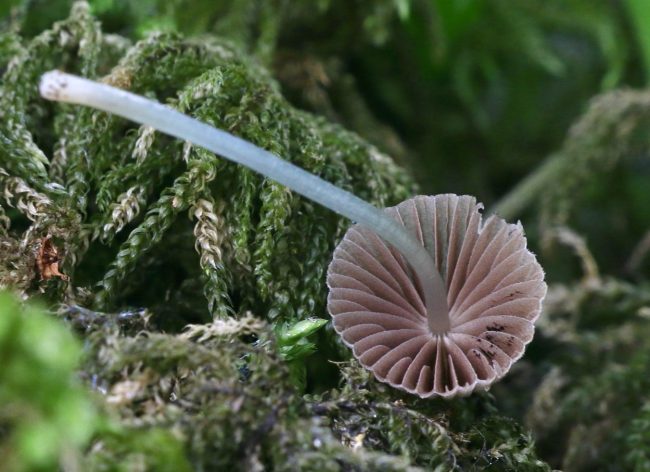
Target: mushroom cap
495	288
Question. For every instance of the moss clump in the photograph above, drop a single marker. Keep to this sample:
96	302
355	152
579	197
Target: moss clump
588	410
466	434
117	190
223	390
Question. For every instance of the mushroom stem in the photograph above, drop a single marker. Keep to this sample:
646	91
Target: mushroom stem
59	86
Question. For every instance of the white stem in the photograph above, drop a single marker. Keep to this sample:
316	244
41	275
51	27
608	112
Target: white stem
56	85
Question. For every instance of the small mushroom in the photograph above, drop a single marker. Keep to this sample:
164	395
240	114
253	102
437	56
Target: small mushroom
416	329
494	289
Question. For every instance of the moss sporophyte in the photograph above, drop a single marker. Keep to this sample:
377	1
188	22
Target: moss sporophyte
430	298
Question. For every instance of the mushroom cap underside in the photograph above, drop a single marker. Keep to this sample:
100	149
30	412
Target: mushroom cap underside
495	288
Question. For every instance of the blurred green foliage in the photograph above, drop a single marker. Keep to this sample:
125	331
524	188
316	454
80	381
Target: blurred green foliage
640	19
46	416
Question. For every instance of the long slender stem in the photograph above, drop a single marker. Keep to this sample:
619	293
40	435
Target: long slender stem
56	85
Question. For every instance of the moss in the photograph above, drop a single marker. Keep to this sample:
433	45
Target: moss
465	434
610	130
586	411
48	418
226	393
121	189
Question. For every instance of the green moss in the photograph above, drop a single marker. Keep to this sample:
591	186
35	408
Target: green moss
463	434
588	411
45	414
224	394
114	179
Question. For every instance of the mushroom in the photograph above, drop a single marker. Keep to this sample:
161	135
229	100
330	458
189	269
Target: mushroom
494	290
413	328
